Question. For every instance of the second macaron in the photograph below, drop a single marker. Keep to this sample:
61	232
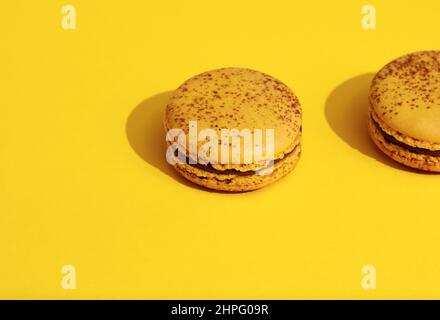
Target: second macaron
405	110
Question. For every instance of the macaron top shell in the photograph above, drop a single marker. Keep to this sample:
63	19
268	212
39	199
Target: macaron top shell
237	98
405	99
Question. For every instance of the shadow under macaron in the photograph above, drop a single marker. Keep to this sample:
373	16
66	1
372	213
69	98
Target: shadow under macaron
146	134
346	111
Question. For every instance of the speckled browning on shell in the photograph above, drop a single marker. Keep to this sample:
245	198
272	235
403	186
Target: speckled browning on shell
405	99
237	98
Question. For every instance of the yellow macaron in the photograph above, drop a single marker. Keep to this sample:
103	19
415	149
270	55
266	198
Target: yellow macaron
405	110
240	101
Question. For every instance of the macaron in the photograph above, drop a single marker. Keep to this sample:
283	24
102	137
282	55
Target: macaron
405	110
244	104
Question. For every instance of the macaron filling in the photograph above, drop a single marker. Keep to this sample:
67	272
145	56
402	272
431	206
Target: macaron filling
392	140
209	168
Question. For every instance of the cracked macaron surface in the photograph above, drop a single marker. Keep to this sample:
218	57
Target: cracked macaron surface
405	110
237	98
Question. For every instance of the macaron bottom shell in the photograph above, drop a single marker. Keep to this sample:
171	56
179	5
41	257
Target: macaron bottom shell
237	182
402	155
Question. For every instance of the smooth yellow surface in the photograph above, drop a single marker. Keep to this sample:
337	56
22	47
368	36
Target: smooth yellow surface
83	180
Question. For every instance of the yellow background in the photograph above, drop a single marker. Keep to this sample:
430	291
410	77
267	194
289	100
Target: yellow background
83	180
